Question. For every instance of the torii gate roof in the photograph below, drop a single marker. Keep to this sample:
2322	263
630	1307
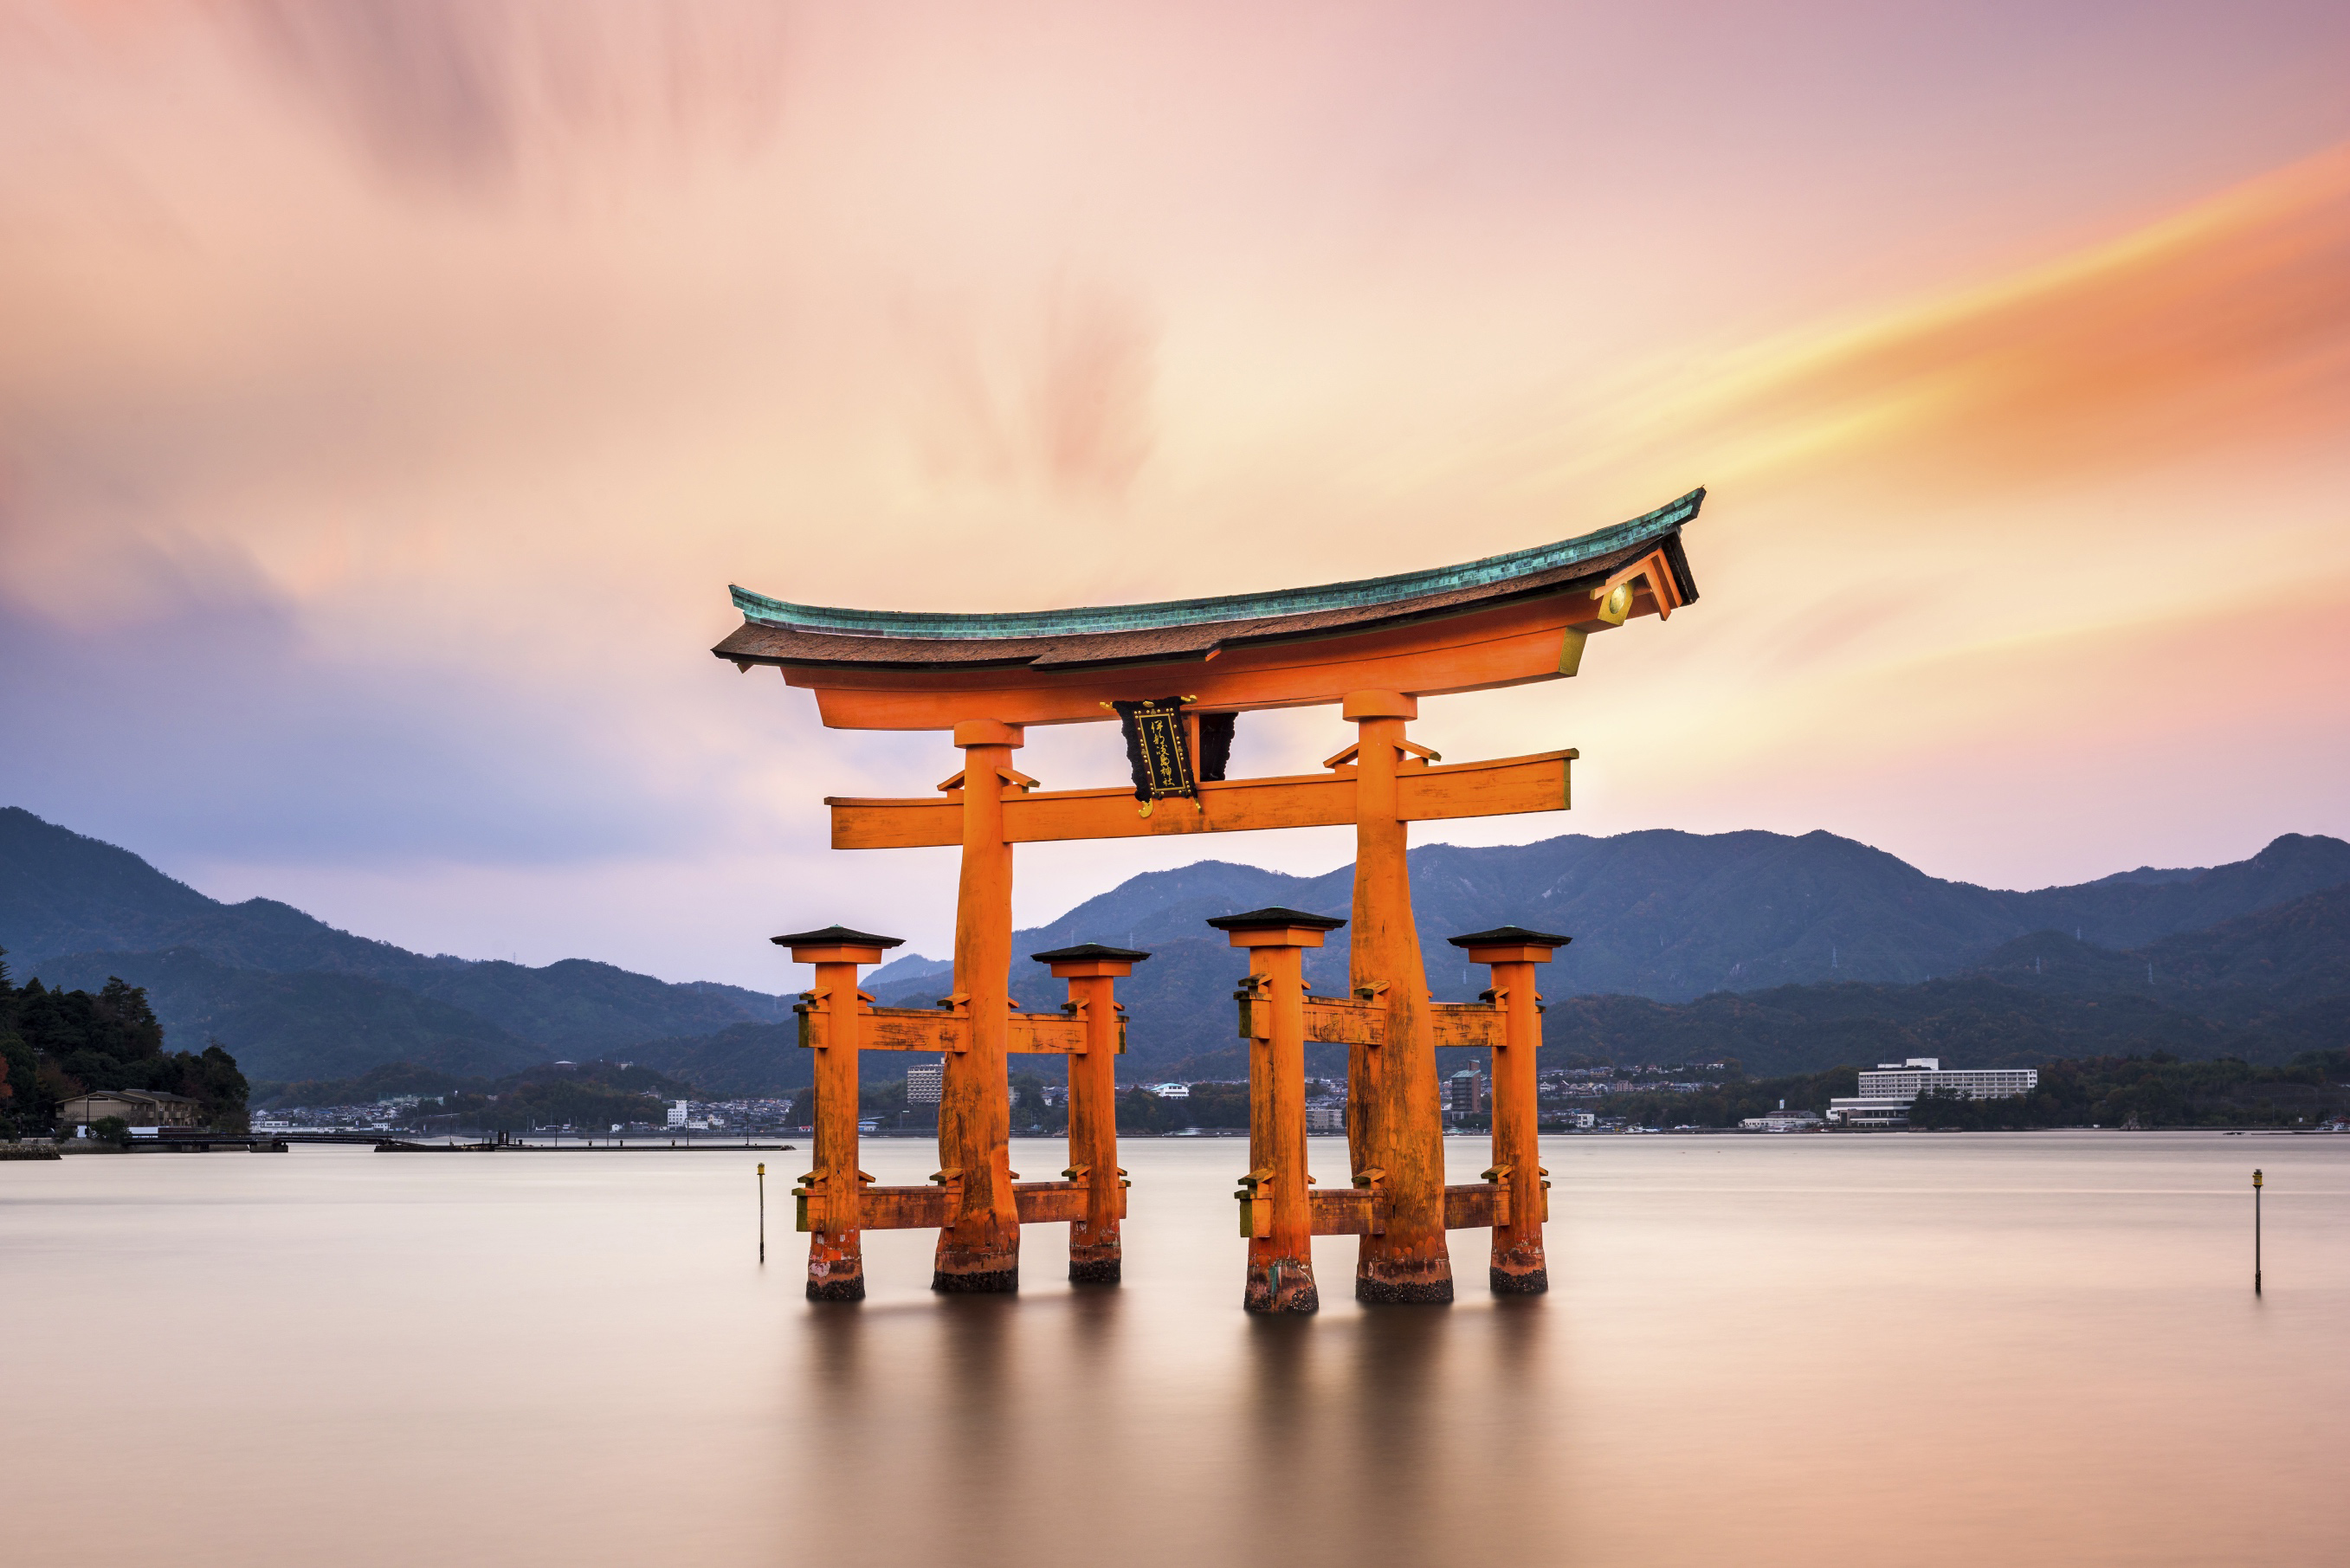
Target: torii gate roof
779	631
1016	657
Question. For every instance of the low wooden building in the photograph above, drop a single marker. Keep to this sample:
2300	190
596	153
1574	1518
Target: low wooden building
139	1107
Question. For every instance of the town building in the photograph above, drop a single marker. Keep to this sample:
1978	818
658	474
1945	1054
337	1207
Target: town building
1886	1092
139	1107
1325	1116
1168	1091
923	1083
1464	1093
678	1112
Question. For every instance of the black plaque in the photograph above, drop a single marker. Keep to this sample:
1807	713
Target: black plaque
1158	748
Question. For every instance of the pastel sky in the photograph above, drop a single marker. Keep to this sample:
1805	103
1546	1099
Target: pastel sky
388	392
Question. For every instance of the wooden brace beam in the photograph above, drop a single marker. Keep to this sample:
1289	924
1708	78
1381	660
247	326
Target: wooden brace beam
949	1034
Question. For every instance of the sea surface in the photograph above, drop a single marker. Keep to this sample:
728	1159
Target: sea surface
1891	1349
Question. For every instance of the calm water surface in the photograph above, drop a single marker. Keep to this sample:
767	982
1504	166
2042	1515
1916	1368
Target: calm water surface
1911	1350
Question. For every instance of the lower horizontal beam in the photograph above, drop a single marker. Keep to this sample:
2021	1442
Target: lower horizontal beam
1052	1202
1355	1211
949	1034
1476	1206
1471	1025
1362	1211
933	1208
886	1209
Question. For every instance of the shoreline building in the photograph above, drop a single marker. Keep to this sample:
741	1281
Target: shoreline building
1887	1093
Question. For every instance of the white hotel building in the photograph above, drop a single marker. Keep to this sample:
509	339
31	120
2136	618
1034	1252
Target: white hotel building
1886	1093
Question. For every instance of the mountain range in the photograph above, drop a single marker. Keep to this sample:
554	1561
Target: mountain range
1789	953
292	997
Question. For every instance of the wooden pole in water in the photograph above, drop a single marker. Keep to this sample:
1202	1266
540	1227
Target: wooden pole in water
1276	1214
836	1245
1394	1121
763	1212
1095	1247
2256	1233
1518	1266
979	1251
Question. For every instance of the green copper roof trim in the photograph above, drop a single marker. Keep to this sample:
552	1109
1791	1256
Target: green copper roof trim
1230	607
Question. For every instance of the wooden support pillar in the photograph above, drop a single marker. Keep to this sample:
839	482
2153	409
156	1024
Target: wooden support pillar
1395	1128
1512	952
833	1191
1093	971
979	1250
1276	1215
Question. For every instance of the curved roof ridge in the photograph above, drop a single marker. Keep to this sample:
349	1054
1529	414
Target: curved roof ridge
759	609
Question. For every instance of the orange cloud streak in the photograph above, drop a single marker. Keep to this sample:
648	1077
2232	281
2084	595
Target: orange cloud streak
2226	325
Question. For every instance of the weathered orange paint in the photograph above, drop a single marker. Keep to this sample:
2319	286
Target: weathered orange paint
1394	1123
1475	1205
1357	1211
907	1208
979	1253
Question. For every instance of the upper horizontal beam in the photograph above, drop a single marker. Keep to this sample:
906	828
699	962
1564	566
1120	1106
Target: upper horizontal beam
1501	788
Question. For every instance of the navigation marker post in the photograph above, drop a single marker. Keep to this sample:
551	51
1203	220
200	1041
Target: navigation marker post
2256	1231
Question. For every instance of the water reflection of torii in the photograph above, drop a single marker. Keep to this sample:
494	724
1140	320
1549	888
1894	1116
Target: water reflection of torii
1375	646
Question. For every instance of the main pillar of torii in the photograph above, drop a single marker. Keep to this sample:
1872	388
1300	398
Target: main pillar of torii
1377	647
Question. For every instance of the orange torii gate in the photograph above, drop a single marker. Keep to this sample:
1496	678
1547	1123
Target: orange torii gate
1374	647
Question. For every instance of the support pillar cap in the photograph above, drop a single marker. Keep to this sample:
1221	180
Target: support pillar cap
837	944
1275	928
1507	944
1090	958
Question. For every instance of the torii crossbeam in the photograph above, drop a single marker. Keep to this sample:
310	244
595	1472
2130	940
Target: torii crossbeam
1375	646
